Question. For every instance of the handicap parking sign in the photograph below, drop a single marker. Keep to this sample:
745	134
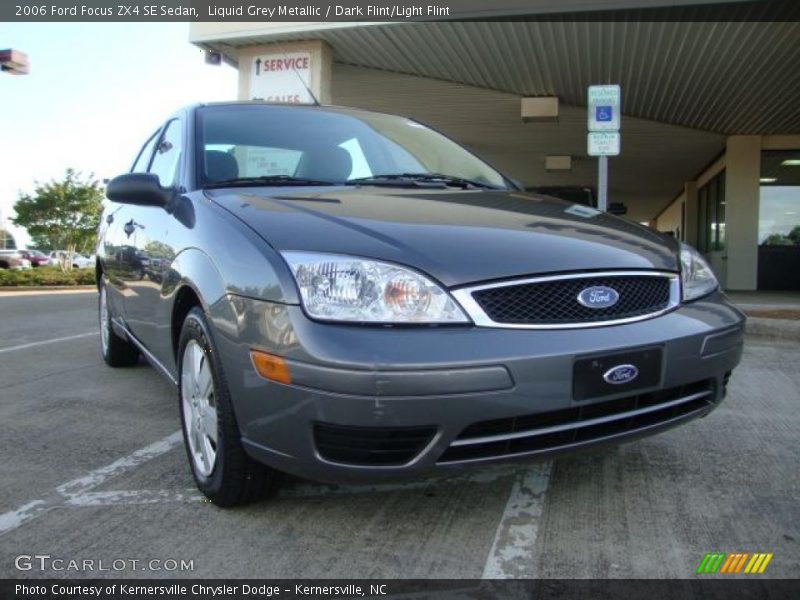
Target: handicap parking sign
604	114
604	107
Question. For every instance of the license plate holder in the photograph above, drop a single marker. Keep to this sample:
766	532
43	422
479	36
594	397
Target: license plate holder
592	376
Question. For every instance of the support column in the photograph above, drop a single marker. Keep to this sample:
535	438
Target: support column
742	189
690	201
273	72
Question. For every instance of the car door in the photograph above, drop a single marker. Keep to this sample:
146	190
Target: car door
116	248
150	250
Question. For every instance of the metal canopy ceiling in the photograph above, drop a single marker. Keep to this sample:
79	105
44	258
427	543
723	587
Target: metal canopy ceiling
726	77
656	158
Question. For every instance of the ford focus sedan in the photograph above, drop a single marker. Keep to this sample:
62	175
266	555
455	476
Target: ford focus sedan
346	295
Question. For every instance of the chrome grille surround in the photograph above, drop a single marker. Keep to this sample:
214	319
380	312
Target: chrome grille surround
464	296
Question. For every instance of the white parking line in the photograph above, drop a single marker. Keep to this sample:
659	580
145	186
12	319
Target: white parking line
512	553
51	341
128	497
14	518
66	492
98	476
512	550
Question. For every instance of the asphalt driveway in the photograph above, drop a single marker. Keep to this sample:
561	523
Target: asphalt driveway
93	469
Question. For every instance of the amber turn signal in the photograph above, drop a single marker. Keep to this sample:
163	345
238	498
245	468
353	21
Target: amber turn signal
271	367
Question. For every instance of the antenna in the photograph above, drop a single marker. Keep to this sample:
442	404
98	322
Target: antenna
294	68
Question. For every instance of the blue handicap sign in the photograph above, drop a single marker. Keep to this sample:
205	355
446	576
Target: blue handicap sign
603	114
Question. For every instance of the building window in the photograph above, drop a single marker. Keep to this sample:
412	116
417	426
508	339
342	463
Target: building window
779	221
711	215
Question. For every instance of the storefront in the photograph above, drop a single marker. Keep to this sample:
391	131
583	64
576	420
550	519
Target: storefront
779	221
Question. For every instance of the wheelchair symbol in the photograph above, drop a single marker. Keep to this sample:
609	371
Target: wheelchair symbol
603	114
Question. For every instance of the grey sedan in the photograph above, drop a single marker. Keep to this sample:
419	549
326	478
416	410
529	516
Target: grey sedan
347	295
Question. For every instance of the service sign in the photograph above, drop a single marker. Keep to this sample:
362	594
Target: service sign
603	143
604	107
281	78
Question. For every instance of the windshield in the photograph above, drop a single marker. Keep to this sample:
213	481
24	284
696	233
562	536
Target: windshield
326	145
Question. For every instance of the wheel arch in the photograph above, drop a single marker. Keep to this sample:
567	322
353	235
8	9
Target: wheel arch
198	283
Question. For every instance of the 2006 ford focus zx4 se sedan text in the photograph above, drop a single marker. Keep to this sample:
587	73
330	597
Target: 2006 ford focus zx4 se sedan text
346	295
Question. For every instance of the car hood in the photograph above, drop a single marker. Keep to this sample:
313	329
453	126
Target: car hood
457	236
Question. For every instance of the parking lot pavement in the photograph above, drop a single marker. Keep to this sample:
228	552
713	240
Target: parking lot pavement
93	468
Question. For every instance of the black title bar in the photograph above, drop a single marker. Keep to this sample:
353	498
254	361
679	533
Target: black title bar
326	11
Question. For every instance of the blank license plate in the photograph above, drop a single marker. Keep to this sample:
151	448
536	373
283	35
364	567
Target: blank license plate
616	373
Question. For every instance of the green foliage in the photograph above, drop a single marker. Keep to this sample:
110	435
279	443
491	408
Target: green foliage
46	276
62	214
777	239
794	234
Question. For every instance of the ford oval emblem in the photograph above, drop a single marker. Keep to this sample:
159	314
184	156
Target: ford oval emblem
621	374
598	296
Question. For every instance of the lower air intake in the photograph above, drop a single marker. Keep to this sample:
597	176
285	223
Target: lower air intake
371	446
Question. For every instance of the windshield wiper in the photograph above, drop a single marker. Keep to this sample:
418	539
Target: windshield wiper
442	178
266	180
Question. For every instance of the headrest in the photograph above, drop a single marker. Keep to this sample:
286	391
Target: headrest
326	164
221	166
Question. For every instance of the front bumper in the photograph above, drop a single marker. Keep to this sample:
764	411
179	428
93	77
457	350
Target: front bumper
369	403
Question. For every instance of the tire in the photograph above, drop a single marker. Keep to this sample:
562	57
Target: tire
220	466
116	351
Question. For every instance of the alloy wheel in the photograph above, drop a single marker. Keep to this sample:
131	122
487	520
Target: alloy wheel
199	408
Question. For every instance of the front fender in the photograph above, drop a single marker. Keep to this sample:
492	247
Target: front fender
195	269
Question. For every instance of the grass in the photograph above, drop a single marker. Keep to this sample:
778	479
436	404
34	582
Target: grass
46	276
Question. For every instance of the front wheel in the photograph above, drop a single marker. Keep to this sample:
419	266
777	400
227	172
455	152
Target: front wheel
220	466
117	352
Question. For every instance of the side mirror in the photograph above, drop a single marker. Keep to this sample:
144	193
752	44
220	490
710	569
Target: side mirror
143	189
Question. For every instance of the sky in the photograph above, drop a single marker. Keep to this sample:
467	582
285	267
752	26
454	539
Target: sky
94	94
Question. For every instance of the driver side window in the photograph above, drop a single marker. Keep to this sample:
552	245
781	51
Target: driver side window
143	159
168	153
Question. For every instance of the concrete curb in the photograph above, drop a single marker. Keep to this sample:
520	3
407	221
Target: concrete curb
44	289
781	329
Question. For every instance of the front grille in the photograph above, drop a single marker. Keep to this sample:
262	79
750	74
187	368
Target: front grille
555	301
580	424
367	446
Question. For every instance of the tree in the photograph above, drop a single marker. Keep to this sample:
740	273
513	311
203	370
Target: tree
62	214
777	239
794	234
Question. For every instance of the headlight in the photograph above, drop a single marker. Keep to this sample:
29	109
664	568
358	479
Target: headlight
346	288
696	276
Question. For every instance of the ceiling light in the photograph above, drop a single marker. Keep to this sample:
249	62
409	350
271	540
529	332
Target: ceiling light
791	162
558	163
542	109
768	179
